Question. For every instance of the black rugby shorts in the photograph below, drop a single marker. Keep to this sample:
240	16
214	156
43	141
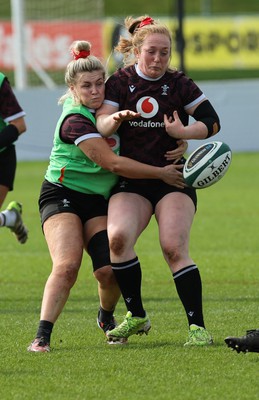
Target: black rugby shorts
8	167
153	190
56	199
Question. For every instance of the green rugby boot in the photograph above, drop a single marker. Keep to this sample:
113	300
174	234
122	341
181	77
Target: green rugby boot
130	326
198	336
19	230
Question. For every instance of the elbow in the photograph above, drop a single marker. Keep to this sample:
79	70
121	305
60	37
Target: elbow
205	113
215	128
98	125
20	125
213	125
113	166
22	130
115	169
219	126
102	125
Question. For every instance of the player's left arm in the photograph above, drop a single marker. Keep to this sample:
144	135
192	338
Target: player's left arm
205	113
176	154
206	125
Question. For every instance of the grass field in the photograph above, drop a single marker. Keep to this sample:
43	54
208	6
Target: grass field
224	244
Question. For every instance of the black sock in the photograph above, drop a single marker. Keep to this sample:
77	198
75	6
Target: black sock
44	330
128	275
105	316
189	288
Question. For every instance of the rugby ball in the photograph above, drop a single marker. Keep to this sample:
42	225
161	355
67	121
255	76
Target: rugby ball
207	164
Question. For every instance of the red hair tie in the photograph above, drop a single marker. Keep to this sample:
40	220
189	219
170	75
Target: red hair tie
146	21
80	54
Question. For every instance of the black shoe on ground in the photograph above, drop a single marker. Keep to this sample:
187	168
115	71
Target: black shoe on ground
247	343
106	326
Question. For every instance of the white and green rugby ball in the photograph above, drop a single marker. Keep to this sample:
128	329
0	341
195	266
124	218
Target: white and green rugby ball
207	164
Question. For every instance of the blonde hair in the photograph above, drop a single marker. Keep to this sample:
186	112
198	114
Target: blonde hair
82	62
137	35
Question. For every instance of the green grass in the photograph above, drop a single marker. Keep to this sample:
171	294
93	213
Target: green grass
224	243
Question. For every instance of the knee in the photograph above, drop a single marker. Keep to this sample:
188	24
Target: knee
118	244
105	276
67	273
172	253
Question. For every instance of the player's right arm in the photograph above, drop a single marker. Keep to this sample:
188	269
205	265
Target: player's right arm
11	111
100	153
109	118
19	123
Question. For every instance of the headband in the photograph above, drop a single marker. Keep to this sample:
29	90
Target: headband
80	54
146	21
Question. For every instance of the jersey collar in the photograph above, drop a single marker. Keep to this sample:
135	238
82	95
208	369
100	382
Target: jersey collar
145	76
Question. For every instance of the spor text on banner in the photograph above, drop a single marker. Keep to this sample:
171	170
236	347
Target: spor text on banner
211	43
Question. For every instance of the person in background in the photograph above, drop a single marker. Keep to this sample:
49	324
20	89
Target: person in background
12	125
73	201
246	343
164	98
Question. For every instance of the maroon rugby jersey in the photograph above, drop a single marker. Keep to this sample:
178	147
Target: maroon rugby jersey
145	139
10	109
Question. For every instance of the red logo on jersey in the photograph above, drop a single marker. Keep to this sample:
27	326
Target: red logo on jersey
147	106
113	141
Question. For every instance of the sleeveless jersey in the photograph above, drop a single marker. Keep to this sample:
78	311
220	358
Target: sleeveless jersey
145	139
70	166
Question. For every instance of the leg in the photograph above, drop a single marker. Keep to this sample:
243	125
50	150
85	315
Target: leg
128	215
108	288
109	294
174	214
7	168
3	193
66	252
11	217
97	245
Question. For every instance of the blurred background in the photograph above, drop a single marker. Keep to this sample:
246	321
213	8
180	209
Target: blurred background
215	42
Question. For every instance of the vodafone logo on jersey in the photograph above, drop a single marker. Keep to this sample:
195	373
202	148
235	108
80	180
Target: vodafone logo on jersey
114	142
147	106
